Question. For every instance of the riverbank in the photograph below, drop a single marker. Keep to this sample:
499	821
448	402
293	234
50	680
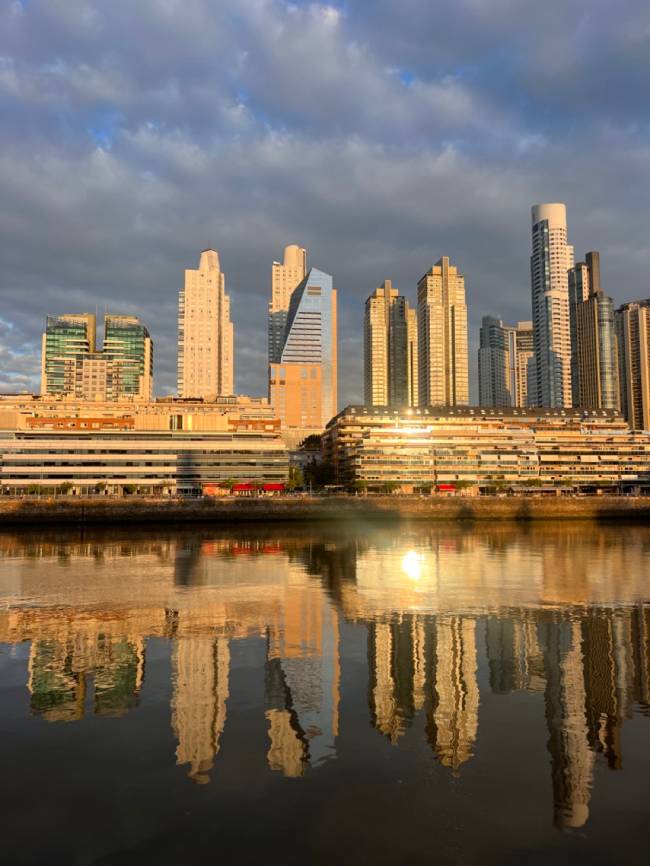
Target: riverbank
331	509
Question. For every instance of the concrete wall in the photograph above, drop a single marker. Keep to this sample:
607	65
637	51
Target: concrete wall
72	510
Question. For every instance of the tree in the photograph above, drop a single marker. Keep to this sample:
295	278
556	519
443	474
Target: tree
128	488
66	487
296	478
391	486
310	443
33	488
100	487
360	485
318	473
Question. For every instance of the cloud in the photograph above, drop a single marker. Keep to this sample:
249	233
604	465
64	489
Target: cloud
137	134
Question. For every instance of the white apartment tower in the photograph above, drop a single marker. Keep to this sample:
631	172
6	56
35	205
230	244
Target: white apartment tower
442	337
550	261
205	332
285	277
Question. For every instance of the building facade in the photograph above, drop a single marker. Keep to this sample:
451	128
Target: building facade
594	356
390	373
442	337
503	360
525	363
128	343
205	332
424	447
122	460
497	363
65	339
74	368
285	277
633	331
303	384
550	261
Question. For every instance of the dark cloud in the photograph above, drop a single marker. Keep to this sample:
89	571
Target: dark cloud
379	135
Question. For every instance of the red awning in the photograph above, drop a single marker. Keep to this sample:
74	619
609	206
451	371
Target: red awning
242	487
273	487
444	487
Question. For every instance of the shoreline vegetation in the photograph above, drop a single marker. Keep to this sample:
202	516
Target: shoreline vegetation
64	510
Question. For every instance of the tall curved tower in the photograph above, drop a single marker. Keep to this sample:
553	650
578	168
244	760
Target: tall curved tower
550	261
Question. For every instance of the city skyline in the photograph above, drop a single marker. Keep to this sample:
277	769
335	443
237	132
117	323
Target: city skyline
569	355
138	167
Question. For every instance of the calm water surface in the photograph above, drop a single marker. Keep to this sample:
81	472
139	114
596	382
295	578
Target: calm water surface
316	695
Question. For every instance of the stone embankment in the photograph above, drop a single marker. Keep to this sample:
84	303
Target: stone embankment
336	508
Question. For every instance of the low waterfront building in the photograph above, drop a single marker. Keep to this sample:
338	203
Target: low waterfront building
117	461
165	446
465	446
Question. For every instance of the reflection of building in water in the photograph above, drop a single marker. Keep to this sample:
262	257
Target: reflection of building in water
417	662
396	674
200	666
59	669
453	720
514	655
549	627
289	751
571	758
302	658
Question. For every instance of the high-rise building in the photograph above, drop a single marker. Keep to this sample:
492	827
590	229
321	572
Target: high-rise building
126	340
497	363
390	349
286	277
74	368
594	361
205	332
303	383
525	363
503	358
65	339
633	330
442	337
550	261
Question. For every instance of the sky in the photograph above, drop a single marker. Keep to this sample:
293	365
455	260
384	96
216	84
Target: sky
378	134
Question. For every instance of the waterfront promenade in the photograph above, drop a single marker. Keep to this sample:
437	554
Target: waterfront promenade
328	508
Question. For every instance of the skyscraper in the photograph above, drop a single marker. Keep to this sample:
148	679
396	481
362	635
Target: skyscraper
390	349
549	264
205	332
65	339
285	277
497	363
525	363
303	383
503	359
73	366
633	330
594	361
442	337
126	340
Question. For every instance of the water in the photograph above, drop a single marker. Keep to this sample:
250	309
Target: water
318	695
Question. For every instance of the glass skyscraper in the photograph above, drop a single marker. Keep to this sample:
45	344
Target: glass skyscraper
127	341
303	384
